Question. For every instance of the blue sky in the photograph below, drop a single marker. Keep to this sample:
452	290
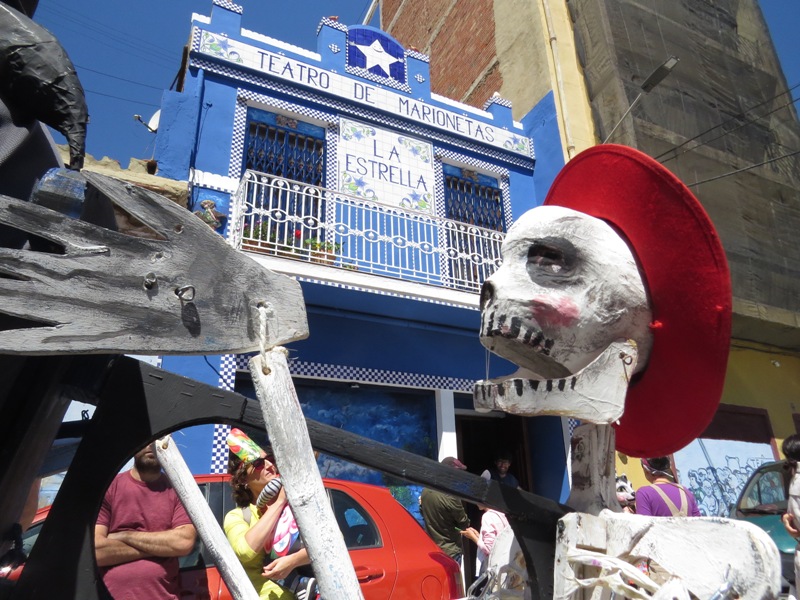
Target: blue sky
127	53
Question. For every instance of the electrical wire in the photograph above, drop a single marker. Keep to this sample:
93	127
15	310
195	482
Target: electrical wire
154	87
140	102
735	117
57	19
761	164
745	124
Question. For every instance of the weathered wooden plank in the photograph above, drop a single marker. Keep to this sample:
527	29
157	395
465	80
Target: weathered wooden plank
187	293
312	510
205	522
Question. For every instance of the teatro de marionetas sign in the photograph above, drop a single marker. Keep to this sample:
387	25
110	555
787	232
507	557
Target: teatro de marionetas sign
379	98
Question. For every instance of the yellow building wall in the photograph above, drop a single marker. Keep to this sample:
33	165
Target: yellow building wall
757	377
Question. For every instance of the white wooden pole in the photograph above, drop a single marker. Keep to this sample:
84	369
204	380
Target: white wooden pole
291	444
229	567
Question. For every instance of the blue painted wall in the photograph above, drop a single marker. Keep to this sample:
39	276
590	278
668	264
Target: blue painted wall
541	123
195	442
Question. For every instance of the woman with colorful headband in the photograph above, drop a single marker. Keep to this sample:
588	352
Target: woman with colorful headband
262	530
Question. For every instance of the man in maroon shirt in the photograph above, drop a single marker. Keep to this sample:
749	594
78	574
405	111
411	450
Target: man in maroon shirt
141	530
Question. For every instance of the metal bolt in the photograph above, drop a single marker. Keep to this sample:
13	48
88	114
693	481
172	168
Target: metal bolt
185	293
150	281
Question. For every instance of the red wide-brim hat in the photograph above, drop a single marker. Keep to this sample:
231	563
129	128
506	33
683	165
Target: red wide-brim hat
687	279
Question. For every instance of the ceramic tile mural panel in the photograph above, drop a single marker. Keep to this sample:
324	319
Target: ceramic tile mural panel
401	420
405	420
385	166
716	471
377	53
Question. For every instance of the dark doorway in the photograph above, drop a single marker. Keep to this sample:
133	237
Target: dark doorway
479	439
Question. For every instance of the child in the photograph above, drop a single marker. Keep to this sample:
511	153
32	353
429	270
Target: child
492	523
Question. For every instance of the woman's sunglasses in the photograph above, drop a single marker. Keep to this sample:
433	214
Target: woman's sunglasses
258	464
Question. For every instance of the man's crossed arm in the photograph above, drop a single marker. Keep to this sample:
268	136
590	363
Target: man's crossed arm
126	546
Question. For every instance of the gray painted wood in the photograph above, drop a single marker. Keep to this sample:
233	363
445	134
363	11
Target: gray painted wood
290	441
115	293
208	529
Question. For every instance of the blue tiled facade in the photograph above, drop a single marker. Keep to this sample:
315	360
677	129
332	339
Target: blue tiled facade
375	359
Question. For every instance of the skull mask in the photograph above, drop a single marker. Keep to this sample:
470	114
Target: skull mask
568	288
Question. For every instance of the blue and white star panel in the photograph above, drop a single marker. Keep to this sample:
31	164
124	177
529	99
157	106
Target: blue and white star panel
376	53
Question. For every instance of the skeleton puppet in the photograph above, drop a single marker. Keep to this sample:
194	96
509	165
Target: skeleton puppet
614	300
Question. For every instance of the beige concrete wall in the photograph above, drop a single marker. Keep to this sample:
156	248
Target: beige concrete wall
533	62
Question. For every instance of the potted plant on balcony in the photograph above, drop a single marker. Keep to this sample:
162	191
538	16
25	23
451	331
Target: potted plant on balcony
321	251
256	237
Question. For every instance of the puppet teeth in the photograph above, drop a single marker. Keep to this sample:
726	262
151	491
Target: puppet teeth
595	394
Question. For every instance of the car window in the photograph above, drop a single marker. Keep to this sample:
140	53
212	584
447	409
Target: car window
196	559
29	538
764	489
358	528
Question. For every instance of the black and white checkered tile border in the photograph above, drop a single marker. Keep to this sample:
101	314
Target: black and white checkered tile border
497	100
387	81
331	149
506	191
359	112
230	6
219	447
473	162
379	292
299	368
418	55
331	23
572	424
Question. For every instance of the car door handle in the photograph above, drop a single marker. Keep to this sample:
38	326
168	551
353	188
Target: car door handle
365	574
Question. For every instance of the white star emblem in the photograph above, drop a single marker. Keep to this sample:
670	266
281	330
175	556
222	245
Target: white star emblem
377	56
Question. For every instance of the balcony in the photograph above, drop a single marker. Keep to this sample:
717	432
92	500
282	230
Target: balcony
298	222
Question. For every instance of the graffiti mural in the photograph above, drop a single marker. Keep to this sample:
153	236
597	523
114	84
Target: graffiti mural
717	470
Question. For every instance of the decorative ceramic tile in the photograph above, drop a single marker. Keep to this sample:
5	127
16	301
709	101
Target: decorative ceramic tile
385	166
229	5
219	46
376	53
303	75
368	115
334	48
419	78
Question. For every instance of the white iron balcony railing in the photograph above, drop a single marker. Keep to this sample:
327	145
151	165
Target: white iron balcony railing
294	220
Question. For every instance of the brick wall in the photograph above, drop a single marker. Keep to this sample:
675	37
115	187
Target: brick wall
458	36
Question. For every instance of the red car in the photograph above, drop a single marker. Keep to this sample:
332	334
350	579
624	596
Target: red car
394	558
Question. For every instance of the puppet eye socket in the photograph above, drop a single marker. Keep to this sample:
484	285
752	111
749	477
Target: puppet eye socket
547	259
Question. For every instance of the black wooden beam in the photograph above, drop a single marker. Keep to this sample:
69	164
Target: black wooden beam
140	403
